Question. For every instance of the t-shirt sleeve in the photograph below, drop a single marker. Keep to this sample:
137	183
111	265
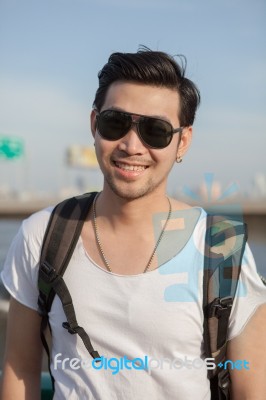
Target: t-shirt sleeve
250	294
21	267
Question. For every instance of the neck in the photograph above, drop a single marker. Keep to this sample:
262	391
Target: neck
131	212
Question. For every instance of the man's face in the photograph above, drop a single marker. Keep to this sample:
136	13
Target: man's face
130	168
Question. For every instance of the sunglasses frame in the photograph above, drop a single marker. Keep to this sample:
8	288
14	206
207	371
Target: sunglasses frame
136	120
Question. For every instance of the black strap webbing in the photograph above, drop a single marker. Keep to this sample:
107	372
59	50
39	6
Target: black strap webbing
220	279
60	239
71	325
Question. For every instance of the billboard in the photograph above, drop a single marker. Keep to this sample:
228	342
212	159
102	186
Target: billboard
11	147
81	156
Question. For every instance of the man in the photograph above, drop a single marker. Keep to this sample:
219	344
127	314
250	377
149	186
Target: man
136	274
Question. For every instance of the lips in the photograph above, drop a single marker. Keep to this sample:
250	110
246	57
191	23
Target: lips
130	167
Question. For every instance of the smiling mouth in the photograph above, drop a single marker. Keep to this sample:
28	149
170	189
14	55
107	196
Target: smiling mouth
127	167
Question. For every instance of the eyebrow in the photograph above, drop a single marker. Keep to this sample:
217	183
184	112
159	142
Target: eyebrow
163	117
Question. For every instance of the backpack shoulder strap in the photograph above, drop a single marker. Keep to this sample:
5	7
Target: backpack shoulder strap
224	248
60	239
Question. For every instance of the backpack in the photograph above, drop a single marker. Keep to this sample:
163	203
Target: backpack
224	247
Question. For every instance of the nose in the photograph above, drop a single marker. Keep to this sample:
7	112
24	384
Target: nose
131	142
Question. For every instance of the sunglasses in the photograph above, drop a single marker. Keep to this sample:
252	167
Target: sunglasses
153	132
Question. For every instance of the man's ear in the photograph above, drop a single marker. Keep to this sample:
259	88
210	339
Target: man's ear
93	122
185	141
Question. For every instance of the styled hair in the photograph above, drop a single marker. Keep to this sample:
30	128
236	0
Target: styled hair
153	68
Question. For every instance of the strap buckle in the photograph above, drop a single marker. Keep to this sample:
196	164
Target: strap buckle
68	328
226	302
47	272
224	379
219	305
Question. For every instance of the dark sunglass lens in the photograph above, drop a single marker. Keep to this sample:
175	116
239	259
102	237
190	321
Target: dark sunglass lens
155	132
113	125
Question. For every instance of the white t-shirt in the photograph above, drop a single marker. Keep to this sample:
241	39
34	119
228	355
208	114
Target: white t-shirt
156	317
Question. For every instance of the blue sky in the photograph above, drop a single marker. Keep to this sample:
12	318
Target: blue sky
52	50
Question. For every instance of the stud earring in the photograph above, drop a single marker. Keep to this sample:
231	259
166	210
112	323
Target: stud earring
179	159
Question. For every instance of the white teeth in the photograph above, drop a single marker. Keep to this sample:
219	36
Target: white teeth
127	167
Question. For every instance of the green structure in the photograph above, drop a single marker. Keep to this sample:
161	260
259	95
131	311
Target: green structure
11	147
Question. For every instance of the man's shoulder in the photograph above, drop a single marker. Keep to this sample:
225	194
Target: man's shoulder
33	228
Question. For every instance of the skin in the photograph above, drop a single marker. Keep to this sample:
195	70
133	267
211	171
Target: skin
250	345
129	200
22	364
126	204
150	101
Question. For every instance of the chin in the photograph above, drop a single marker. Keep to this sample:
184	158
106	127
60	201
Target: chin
131	193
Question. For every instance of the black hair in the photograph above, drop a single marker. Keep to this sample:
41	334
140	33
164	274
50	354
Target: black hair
154	68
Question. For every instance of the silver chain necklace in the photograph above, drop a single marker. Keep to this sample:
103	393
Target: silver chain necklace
106	262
